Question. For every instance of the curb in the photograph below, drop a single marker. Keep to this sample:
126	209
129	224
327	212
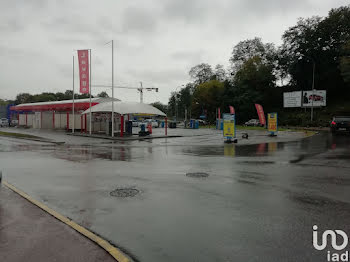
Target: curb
125	138
117	254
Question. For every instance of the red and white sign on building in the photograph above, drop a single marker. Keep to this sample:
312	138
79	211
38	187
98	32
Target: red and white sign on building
83	59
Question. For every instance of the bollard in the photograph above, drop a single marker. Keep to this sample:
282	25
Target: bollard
149	128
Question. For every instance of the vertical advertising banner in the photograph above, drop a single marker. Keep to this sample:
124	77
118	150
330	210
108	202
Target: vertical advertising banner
229	126
272	122
83	59
232	110
261	114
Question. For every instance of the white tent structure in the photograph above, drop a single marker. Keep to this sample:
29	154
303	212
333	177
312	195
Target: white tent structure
125	108
121	109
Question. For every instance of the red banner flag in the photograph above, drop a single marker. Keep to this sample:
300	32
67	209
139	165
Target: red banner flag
83	59
219	113
261	114
232	110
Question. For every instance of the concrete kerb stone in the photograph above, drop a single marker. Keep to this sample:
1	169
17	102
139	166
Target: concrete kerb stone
115	252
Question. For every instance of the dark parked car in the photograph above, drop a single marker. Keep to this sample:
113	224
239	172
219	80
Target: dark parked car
340	123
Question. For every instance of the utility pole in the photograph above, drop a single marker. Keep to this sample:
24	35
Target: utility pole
73	101
112	89
313	88
90	97
141	93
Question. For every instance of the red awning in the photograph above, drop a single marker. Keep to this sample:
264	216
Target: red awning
54	107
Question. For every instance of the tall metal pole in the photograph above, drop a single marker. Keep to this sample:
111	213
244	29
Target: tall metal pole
176	109
313	88
90	96
112	89
73	101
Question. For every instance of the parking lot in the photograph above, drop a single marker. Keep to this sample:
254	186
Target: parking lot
191	198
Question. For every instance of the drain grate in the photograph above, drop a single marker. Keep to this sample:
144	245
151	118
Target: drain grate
197	174
124	192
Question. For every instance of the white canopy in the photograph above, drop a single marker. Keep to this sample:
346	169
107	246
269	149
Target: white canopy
124	108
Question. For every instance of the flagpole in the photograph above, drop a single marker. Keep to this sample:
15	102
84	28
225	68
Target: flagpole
73	101
112	89
90	94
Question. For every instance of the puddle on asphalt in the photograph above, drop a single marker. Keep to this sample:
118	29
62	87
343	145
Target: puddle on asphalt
312	145
197	175
319	201
232	150
124	192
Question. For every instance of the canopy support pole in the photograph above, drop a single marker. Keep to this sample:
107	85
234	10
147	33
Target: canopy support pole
121	125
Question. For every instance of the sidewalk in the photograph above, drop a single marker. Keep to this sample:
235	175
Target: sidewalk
27	233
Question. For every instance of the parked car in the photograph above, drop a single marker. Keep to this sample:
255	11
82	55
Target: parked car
202	122
340	123
4	122
253	122
135	123
14	122
147	121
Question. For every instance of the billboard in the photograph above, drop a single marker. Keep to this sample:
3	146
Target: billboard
292	99
314	98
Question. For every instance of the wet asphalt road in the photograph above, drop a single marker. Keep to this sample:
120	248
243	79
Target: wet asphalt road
258	203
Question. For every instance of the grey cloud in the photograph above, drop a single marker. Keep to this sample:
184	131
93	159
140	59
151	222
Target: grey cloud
156	41
138	20
11	25
192	56
187	11
158	76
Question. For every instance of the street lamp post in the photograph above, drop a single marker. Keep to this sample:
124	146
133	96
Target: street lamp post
313	90
176	104
313	86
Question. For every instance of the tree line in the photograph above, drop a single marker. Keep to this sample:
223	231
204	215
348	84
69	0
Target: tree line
23	98
260	72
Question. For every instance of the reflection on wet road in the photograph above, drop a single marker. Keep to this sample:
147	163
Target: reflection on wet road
255	203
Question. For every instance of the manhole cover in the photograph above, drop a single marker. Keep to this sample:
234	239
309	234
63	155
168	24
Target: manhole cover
197	174
124	192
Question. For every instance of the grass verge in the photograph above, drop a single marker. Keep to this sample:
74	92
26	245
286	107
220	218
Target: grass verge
17	135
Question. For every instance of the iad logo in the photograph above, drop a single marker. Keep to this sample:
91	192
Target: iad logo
338	243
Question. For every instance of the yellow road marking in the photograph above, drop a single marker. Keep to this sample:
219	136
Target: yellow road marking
113	251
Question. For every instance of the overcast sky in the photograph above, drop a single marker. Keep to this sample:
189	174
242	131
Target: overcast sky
156	42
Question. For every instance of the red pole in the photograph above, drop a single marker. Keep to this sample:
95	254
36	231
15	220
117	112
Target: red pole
122	126
81	123
85	126
53	119
166	126
67	121
26	119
